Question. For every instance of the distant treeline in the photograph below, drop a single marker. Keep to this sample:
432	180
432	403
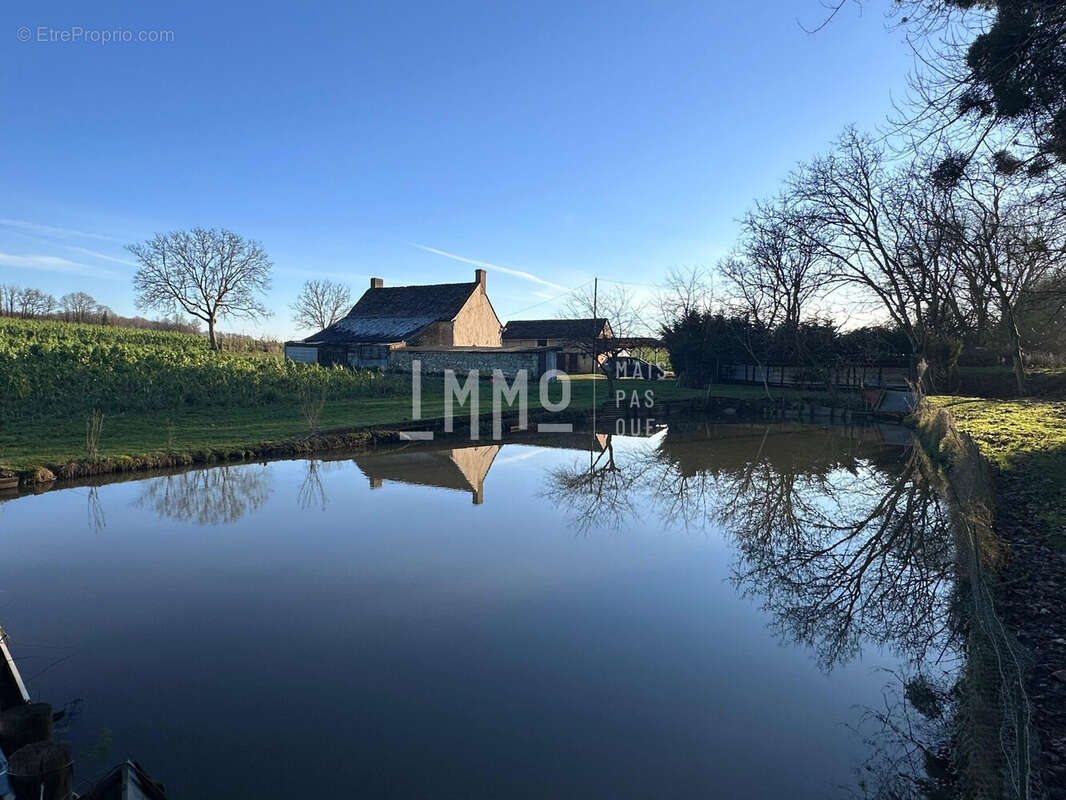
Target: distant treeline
78	307
31	303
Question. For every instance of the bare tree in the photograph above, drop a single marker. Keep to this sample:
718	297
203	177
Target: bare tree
626	329
778	270
775	274
882	230
312	492
9	293
33	303
321	303
78	307
843	547
207	273
989	74
599	494
1011	245
616	303
684	292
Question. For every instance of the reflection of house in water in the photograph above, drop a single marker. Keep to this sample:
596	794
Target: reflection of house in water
446	466
582	442
460	468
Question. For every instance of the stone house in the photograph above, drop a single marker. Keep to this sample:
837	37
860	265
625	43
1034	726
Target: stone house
443	315
573	338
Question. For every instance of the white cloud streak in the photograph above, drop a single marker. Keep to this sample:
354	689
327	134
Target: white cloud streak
518	273
51	230
54	264
86	251
50	233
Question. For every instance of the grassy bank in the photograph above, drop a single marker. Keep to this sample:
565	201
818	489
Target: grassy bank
189	432
1026	440
164	398
194	432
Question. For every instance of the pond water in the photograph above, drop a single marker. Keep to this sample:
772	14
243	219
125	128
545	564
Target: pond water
709	611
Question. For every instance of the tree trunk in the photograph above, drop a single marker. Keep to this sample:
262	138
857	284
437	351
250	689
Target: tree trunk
938	373
211	333
923	380
610	385
1016	353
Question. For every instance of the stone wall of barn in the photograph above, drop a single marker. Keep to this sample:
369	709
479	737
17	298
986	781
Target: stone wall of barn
434	362
574	359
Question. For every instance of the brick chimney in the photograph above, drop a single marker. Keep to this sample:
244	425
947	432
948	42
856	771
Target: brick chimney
376	283
479	277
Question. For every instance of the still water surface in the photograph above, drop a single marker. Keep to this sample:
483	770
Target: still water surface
701	613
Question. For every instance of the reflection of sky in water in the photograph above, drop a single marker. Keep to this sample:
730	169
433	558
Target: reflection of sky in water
241	628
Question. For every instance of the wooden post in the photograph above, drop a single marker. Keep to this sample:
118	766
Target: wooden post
42	771
12	689
25	724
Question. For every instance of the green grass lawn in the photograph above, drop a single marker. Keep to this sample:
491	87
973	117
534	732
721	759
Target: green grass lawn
1012	433
1025	439
188	430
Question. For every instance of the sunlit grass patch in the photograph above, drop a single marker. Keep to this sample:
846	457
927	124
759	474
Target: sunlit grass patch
1027	438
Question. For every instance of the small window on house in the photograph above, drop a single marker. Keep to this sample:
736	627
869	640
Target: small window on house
542	342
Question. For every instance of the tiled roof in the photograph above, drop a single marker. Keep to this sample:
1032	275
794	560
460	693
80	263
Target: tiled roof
439	301
396	313
554	328
371	329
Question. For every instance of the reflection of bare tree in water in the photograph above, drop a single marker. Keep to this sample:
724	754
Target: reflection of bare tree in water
868	556
842	549
312	492
208	496
845	547
97	521
599	495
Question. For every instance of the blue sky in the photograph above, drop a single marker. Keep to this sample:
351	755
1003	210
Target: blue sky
561	140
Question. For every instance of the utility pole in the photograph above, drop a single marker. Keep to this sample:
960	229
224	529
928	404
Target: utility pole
595	347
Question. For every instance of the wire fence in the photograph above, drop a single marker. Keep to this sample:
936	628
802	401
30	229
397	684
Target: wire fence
996	746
